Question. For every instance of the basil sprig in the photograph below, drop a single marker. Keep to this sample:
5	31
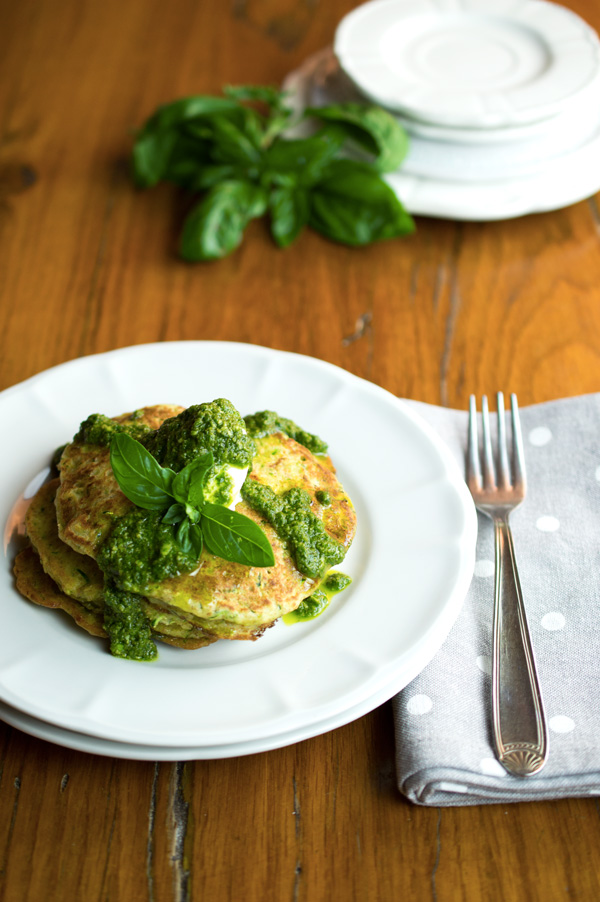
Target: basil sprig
195	521
243	166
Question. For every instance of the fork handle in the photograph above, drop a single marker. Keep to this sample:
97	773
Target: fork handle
520	732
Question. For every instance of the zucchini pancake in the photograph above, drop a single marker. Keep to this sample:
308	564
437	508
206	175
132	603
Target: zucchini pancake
186	525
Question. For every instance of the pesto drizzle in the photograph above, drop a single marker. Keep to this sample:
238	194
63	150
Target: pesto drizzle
312	548
266	422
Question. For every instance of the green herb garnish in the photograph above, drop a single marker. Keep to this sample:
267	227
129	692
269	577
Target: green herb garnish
238	158
194	520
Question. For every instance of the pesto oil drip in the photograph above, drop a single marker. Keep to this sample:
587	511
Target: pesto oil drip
312	548
315	604
266	422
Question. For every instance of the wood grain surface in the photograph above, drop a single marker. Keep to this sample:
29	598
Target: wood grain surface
87	264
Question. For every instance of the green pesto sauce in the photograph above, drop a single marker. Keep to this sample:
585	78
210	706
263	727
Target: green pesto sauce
127	625
313	550
140	550
218	487
215	426
315	604
100	430
265	422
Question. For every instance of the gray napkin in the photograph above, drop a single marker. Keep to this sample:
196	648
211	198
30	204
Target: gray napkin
444	752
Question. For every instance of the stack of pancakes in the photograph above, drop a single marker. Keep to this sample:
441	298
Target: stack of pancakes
69	518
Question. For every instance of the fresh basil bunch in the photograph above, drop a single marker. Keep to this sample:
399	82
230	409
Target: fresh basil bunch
195	520
239	160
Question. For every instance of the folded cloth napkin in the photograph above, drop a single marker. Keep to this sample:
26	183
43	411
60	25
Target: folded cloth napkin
444	751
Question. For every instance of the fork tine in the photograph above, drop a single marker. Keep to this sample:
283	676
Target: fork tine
503	466
473	467
489	476
519	478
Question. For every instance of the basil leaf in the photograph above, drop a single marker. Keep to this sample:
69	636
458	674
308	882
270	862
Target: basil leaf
175	514
231	144
172	114
209	129
151	155
305	159
289	214
198	130
216	226
157	139
182	536
253	125
189	156
256	126
141	478
196	539
187	485
373	128
353	204
211	175
234	537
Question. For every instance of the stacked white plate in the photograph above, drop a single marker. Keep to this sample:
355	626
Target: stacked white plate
500	99
411	563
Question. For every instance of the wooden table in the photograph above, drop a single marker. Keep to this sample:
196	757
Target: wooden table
88	264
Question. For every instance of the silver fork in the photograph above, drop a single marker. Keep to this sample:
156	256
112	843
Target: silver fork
519	724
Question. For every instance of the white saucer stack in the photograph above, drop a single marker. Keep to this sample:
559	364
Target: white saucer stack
501	100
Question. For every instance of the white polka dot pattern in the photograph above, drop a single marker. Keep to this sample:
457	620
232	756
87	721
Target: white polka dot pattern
547	523
539	436
553	620
484	568
560	723
419	704
484	662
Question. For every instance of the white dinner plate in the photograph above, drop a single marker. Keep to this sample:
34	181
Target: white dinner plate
434	179
411	561
83	742
475	63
